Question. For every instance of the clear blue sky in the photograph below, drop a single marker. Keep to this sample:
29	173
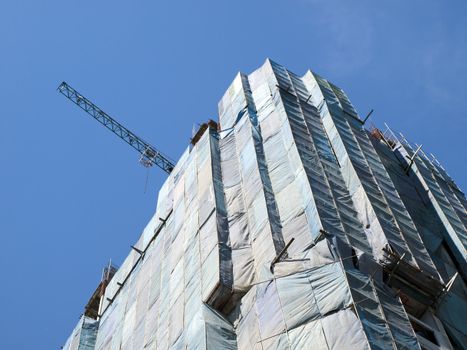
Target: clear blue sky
72	194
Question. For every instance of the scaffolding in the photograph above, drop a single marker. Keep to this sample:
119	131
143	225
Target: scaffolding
288	225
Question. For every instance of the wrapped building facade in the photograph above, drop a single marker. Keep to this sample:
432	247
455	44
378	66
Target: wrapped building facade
288	225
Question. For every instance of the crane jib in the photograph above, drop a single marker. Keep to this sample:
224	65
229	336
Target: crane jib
149	155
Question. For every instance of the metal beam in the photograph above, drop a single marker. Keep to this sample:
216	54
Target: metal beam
149	155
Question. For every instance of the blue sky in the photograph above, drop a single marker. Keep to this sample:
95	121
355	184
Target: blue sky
72	195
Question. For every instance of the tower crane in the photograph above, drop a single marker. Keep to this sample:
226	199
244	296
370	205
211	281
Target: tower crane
149	155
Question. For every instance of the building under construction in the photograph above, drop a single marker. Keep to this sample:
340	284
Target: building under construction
291	224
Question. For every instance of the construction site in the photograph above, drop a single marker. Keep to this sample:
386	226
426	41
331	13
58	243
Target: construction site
290	222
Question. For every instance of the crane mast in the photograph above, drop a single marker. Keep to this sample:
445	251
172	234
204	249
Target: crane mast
149	155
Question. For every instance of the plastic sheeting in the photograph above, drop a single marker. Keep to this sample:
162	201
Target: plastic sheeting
159	300
295	309
83	336
446	203
290	163
320	303
433	199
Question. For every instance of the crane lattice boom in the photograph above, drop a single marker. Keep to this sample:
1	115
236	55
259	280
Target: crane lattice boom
149	155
